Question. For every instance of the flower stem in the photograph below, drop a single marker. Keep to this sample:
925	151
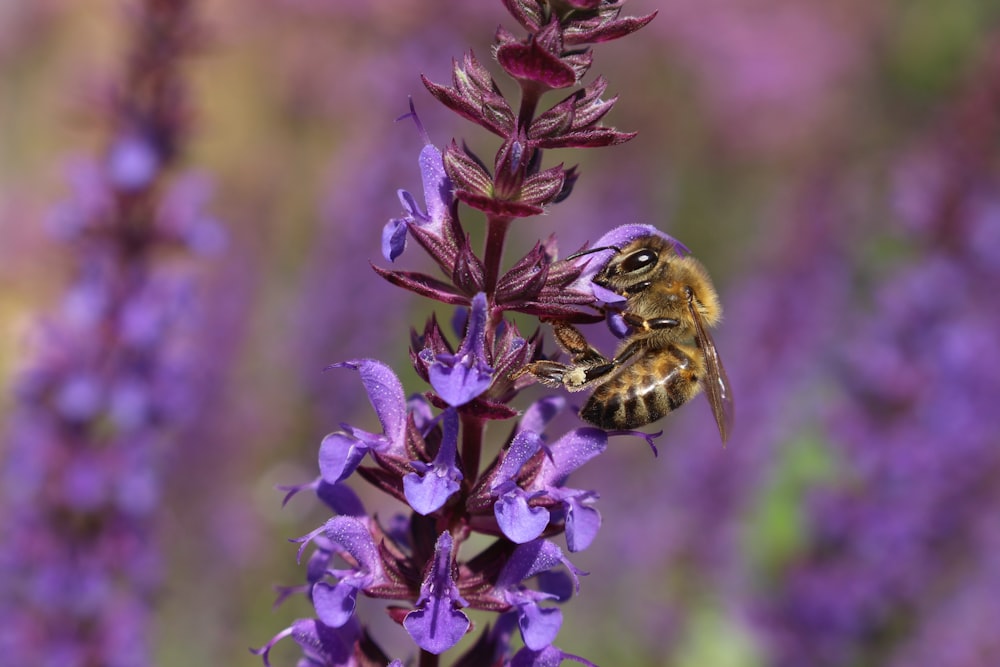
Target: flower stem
530	95
495	234
472	447
428	659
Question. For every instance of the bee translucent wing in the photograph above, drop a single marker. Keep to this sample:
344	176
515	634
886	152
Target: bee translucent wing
717	388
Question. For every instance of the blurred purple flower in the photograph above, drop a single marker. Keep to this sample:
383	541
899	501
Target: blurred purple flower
903	538
115	376
771	78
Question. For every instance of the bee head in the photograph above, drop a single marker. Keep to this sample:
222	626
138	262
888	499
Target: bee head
638	262
631	265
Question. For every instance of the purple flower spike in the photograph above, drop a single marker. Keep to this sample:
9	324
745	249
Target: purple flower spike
458	378
519	522
437	197
436	625
429	488
434	453
341	452
335	603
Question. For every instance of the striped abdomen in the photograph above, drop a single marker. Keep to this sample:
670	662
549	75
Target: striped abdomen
646	390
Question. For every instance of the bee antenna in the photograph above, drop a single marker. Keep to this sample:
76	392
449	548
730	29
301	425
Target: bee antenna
593	250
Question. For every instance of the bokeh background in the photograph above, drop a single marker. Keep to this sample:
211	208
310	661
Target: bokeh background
835	166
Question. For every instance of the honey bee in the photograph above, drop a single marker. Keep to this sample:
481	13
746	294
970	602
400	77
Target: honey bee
670	305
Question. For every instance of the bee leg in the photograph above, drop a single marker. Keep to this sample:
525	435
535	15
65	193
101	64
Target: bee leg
651	324
588	365
549	373
574	377
573	342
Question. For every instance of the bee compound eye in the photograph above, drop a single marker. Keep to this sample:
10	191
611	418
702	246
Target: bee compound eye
638	260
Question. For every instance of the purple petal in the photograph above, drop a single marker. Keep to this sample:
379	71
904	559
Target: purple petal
616	323
394	238
540	413
132	163
341	499
414	214
385	392
570	452
320	644
461	377
429	488
539	625
458	380
524	445
625	234
354	537
582	524
324	644
429	492
335	604
318	564
474	341
527	560
520	522
339	456
437	187
549	656
555	584
605	295
436	625
421	412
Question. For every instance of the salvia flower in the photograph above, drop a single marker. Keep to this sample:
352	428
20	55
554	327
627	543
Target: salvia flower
458	378
430	486
435	624
435	451
437	199
341	452
350	537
